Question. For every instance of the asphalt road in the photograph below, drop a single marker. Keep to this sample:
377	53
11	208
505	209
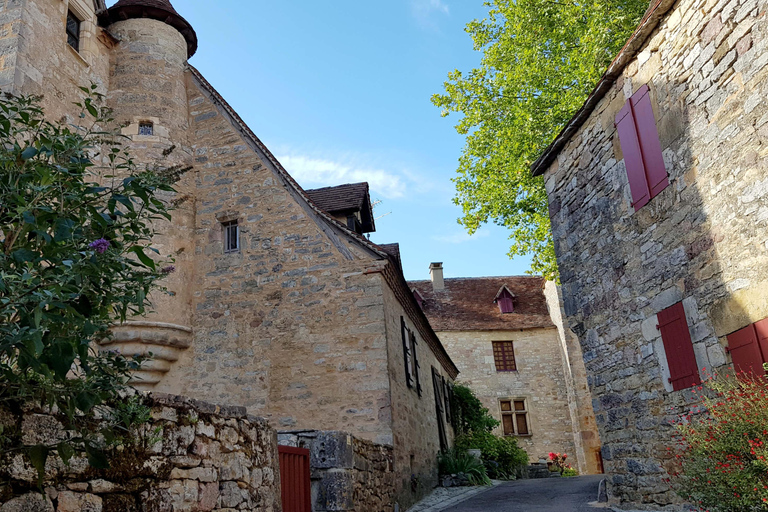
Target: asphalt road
538	495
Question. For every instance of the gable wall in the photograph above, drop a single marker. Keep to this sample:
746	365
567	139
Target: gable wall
289	326
701	240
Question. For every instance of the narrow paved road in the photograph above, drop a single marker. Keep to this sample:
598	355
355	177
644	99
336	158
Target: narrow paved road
540	495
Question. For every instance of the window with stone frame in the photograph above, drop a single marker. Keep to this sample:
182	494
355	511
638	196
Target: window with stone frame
504	356
514	417
73	30
146	128
410	357
231	236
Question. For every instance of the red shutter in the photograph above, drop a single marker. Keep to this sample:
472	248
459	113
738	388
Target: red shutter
650	146
761	328
745	351
633	159
683	370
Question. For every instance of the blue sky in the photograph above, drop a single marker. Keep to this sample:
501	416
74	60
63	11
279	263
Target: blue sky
340	92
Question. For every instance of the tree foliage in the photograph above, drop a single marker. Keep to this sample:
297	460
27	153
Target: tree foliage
77	218
469	415
541	59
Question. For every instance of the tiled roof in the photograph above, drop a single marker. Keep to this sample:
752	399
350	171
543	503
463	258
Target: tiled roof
466	304
394	251
160	10
339	199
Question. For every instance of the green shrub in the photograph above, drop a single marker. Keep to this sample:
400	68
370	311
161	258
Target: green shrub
469	415
570	472
457	461
501	455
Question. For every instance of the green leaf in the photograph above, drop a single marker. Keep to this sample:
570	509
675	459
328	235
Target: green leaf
66	452
86	401
146	260
96	457
38	455
28	153
23	255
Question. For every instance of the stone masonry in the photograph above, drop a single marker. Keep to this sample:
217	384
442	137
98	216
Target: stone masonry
701	241
199	457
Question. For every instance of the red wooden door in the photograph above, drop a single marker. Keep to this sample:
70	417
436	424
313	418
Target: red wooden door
294	479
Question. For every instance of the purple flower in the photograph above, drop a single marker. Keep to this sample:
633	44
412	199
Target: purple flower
170	269
100	246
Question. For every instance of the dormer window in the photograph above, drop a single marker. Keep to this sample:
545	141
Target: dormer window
73	31
146	128
505	299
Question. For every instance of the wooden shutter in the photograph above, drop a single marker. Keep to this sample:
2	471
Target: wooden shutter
761	328
683	370
439	410
745	351
415	361
650	145
406	353
633	158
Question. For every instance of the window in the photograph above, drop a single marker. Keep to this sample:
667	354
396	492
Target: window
514	417
505	299
146	128
439	407
683	370
504	356
410	357
640	144
231	236
73	31
749	348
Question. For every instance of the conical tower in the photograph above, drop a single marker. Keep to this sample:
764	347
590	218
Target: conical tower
148	96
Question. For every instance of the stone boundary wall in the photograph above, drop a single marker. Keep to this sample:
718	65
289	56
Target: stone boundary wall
348	474
200	457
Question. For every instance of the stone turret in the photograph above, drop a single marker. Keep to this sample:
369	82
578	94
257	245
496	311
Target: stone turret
148	95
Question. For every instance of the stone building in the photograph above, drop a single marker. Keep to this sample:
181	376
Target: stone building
658	196
508	340
278	302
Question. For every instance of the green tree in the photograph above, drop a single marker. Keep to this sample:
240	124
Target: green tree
541	59
469	415
74	244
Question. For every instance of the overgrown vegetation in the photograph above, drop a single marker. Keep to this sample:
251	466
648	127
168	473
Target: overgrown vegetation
77	218
456	461
469	415
541	60
723	447
502	457
474	425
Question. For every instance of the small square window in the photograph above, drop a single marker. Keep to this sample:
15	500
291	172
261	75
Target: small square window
73	31
231	236
146	128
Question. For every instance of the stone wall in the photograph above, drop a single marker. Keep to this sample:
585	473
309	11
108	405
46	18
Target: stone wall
200	457
701	240
348	474
414	417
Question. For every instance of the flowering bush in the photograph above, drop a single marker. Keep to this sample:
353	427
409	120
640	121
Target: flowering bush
557	462
723	455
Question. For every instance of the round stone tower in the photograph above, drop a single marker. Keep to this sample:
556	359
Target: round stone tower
148	95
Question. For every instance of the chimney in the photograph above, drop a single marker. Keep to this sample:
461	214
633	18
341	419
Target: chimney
436	273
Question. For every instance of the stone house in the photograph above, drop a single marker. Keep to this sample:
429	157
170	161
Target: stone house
658	196
508	340
278	302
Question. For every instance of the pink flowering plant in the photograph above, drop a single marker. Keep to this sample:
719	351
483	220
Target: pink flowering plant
558	462
722	447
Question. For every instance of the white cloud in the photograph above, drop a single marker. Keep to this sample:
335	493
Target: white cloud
423	10
460	237
313	172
